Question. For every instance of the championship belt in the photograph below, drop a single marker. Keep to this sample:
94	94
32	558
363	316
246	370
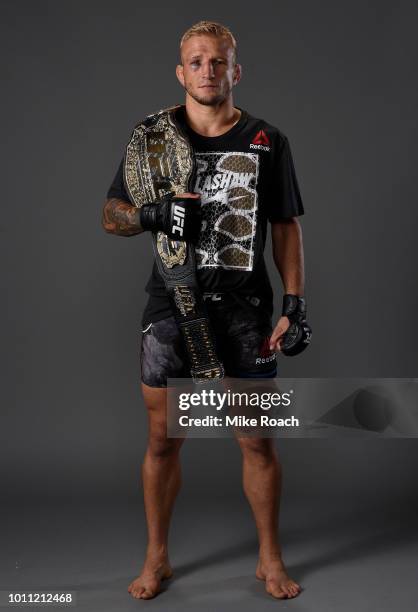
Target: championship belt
159	162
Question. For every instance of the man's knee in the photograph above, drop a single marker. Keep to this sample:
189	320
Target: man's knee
161	447
258	449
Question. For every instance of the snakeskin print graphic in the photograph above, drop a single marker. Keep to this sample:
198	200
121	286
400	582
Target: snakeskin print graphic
227	184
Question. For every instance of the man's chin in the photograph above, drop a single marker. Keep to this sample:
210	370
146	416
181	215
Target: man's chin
209	100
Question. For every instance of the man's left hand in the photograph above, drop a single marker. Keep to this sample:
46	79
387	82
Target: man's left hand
292	333
281	327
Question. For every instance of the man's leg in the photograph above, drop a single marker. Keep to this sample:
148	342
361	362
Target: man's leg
161	480
262	486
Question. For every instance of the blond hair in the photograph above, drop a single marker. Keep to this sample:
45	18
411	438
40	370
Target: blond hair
210	28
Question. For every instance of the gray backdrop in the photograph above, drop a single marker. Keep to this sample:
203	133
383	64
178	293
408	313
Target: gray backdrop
339	79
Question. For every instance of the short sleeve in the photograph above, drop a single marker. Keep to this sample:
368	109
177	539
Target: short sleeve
117	188
284	199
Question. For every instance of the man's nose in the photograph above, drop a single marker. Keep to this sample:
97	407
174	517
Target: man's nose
208	70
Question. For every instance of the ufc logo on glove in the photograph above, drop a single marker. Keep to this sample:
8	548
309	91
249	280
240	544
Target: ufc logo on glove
178	218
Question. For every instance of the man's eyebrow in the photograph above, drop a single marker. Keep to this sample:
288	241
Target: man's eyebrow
218	57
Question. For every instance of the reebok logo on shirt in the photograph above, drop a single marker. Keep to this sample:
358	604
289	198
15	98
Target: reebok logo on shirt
261	141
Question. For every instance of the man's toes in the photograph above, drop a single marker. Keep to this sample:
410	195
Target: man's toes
289	591
135	591
276	591
147	594
294	589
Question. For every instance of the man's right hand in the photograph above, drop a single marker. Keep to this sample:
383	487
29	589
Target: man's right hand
177	216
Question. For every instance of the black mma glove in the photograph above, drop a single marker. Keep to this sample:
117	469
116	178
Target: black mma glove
298	335
179	218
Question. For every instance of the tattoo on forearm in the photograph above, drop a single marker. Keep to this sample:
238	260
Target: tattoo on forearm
121	218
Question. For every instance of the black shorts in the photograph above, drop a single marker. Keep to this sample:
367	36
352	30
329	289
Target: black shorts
242	329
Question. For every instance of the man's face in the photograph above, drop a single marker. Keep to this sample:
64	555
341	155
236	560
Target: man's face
208	73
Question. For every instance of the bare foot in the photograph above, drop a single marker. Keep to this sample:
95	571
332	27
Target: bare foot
278	583
148	583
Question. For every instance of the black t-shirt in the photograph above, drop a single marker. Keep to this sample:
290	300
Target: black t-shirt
246	177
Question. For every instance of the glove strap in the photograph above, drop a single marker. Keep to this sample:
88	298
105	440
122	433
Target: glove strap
294	307
148	217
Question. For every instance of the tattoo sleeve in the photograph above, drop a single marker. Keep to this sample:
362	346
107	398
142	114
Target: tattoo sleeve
121	218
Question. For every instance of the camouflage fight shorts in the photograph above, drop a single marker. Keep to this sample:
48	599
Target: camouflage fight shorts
241	328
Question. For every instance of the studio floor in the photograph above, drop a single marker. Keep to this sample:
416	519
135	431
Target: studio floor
346	557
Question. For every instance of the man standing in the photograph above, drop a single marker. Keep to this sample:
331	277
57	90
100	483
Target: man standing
245	178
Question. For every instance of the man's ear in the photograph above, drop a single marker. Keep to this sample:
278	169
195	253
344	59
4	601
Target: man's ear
237	73
179	74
